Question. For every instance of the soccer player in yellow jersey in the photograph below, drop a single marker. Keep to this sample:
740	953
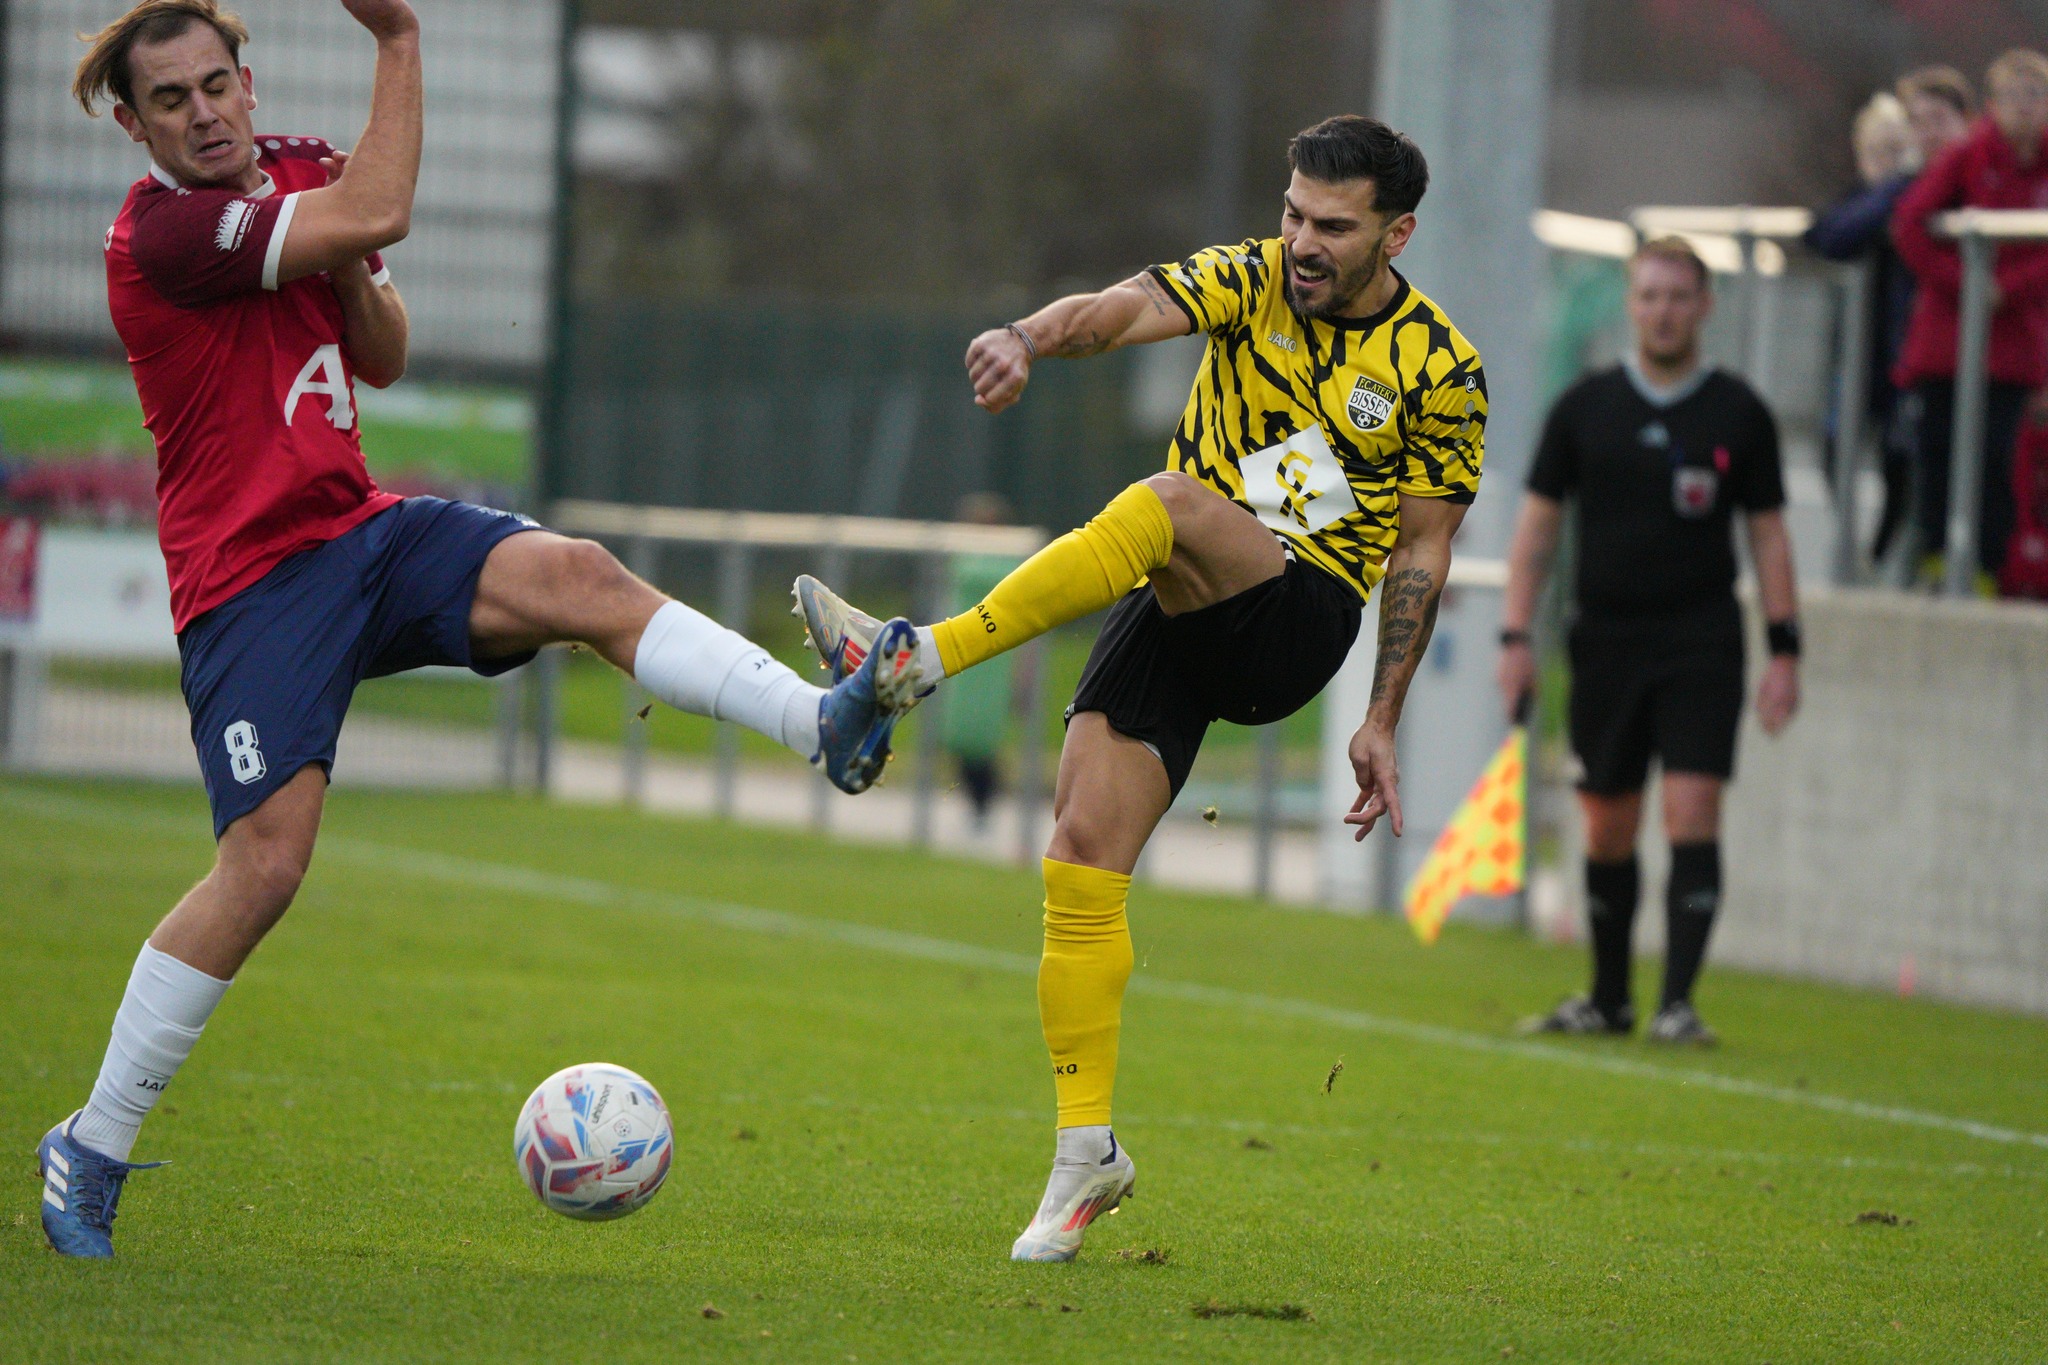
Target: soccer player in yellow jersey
1333	437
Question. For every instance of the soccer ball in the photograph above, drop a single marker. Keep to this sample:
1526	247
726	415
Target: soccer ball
593	1142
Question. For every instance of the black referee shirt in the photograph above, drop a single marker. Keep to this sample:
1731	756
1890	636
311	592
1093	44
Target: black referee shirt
1657	485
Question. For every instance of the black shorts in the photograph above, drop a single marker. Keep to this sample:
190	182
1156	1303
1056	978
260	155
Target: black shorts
1664	685
1251	660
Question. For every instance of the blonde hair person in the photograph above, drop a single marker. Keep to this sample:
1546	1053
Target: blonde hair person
1883	141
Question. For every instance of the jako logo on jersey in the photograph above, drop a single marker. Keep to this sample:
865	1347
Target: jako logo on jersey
323	374
1371	404
234	224
1283	342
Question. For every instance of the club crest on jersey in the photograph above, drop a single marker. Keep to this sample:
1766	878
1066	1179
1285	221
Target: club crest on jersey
1371	404
234	224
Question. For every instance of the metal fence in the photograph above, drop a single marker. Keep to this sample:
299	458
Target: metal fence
475	269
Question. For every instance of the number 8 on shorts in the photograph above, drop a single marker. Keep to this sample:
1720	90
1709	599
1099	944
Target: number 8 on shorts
245	760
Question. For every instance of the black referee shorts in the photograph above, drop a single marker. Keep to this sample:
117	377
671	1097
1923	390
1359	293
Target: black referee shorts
1252	659
1664	685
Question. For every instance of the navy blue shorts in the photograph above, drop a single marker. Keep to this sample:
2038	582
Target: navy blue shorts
268	674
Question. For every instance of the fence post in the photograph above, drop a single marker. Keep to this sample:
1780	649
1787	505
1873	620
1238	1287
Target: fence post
511	689
1031	665
547	679
735	595
933	598
640	557
1966	441
832	572
1265	818
1852	368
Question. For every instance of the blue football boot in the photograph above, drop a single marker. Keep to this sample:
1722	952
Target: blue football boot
857	717
81	1189
841	632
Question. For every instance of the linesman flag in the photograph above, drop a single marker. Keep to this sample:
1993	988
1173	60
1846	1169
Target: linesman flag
1482	851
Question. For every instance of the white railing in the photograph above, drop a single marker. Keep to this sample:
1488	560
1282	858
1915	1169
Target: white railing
1977	234
637	533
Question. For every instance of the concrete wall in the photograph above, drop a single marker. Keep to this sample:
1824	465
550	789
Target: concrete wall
1900	826
1896	835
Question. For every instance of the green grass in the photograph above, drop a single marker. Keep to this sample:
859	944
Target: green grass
862	1120
55	409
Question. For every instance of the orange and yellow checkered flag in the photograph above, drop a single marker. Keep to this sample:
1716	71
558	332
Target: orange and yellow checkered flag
1481	852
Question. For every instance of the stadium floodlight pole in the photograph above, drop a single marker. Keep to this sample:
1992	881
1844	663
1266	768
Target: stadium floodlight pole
1966	454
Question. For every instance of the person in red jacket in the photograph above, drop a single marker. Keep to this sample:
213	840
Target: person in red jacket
2003	164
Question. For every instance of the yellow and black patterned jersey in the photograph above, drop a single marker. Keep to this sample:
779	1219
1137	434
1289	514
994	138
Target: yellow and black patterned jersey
1318	426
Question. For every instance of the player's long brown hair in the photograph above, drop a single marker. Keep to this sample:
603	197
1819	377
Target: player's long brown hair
103	72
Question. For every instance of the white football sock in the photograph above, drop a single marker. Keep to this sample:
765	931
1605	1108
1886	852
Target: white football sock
930	667
166	1006
696	665
1085	1144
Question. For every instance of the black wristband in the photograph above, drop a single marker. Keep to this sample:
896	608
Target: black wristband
1513	637
1783	638
1030	346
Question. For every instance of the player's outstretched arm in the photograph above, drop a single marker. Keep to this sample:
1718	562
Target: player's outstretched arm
1132	313
1416	572
1537	526
370	206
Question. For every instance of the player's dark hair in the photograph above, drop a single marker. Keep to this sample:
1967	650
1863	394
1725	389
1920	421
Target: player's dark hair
1352	147
103	71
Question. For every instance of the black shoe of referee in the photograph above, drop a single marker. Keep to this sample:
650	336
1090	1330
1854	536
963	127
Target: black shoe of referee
1580	1015
1678	1022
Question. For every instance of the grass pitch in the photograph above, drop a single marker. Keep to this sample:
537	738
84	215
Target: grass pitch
849	1043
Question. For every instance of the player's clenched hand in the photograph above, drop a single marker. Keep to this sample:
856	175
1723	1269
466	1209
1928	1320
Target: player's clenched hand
1777	694
999	366
1379	780
384	18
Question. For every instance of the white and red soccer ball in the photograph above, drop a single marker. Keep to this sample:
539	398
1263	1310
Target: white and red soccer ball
593	1142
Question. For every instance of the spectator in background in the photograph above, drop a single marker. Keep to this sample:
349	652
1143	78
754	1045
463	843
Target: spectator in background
977	714
1939	105
1858	227
2002	164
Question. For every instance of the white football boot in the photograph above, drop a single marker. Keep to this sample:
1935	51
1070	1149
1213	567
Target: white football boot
1085	1184
842	634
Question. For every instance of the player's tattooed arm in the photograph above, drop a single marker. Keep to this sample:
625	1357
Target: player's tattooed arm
1132	313
1416	572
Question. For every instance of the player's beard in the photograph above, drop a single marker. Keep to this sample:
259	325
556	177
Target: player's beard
1345	285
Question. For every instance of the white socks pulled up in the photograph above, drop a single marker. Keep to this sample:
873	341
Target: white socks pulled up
166	1006
696	665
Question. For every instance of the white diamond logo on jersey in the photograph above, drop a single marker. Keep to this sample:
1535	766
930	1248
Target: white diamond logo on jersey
234	224
1371	404
1298	485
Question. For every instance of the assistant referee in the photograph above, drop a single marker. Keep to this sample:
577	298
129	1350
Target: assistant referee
1658	453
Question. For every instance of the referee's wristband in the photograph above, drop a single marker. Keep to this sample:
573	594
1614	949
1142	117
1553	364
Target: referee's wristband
1783	638
1510	638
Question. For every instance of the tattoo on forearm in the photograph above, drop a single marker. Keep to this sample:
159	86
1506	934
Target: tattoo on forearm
1408	607
1155	294
1079	343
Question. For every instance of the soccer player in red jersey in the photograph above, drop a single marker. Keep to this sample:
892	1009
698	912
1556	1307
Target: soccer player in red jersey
245	282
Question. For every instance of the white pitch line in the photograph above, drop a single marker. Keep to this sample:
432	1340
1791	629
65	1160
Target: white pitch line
526	881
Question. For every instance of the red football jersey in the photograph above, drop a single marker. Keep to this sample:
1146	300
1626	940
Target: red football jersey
246	384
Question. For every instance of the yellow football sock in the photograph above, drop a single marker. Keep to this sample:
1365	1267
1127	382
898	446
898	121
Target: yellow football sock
1081	985
1081	572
